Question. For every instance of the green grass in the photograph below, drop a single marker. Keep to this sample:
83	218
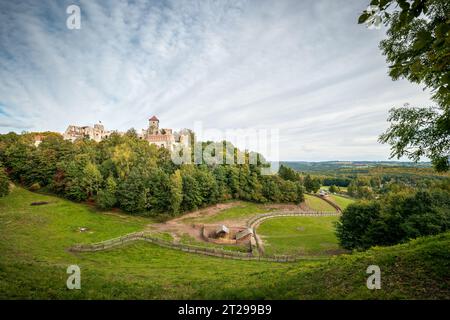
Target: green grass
415	270
242	211
299	235
318	204
342	202
34	259
34	256
187	239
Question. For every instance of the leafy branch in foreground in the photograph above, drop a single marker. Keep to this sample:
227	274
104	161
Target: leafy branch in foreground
418	132
417	48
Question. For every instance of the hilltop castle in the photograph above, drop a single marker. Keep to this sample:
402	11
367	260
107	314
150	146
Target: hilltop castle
165	138
96	133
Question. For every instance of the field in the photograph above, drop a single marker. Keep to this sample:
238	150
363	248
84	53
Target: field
34	242
299	235
342	202
327	188
317	204
34	259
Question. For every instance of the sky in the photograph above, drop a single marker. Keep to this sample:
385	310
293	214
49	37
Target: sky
303	68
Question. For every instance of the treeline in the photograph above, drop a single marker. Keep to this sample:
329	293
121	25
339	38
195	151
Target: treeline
129	173
310	184
4	182
403	213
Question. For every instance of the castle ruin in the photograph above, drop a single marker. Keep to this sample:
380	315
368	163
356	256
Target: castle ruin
165	138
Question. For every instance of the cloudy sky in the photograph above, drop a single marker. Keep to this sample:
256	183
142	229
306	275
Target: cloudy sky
305	68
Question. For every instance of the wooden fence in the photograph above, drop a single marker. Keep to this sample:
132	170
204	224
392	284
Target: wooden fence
216	252
254	255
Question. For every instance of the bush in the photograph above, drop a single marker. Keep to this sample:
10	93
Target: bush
4	182
35	187
106	198
396	218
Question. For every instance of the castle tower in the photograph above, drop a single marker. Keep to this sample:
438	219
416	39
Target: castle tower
153	125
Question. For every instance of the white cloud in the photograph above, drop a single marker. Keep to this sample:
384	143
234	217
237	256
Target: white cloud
304	67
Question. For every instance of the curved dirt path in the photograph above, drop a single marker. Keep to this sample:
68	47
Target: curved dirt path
179	226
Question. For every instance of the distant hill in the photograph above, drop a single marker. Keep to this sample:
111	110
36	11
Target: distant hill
322	166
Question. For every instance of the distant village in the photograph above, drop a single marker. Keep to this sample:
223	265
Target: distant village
160	137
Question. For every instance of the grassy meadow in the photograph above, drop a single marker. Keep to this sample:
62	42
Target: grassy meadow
342	202
34	258
317	204
299	235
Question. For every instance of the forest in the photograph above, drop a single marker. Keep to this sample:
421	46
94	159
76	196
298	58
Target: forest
130	174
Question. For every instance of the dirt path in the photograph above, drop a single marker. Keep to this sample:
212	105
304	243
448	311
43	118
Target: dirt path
189	224
179	226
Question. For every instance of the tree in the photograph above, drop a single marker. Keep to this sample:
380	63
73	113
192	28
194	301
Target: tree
192	197
417	48
91	179
288	174
271	188
334	189
397	218
106	198
176	192
132	191
4	182
159	189
352	226
311	184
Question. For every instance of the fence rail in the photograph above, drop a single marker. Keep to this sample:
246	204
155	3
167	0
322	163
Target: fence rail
254	255
216	252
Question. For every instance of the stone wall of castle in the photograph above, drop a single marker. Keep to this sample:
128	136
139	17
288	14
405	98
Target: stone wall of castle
165	138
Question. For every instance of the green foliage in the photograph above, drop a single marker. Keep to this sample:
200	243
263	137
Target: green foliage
4	182
91	179
106	198
35	187
132	191
415	270
311	184
419	132
141	177
396	218
334	189
176	192
352	227
288	174
359	189
417	48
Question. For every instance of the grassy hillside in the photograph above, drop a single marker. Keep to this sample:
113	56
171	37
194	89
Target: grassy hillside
243	211
318	204
342	202
34	258
299	235
415	270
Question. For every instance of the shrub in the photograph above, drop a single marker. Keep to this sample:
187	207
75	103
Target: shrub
35	187
4	182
